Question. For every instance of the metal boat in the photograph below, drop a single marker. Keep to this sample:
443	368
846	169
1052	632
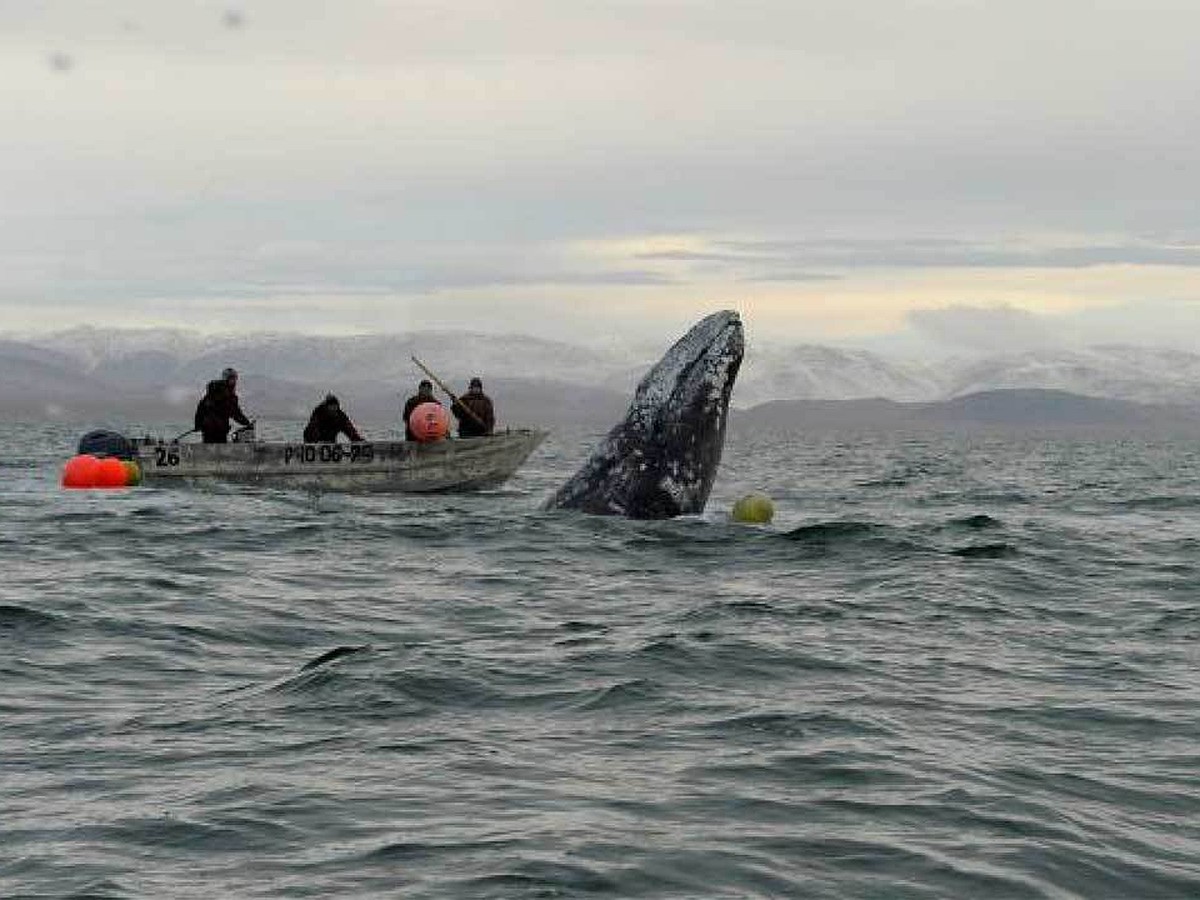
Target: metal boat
463	464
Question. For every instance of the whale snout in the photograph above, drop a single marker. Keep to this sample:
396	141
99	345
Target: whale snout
662	458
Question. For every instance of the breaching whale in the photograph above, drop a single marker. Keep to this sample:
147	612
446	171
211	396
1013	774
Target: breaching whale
660	461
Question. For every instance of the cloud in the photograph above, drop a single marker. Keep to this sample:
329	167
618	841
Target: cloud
1007	329
994	329
949	253
810	116
462	148
789	277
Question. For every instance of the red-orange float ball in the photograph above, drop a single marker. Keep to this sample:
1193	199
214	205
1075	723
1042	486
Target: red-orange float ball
110	473
80	471
429	422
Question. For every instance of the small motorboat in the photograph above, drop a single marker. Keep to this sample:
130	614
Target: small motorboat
462	464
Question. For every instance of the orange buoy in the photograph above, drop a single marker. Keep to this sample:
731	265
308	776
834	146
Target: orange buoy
80	471
429	422
110	473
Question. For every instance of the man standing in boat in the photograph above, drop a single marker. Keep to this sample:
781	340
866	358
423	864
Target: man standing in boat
218	405
424	394
476	402
327	421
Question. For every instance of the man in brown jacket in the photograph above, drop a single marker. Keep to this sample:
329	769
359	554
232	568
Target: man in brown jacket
479	403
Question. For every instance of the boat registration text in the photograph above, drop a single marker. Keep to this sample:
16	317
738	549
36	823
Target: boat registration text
327	453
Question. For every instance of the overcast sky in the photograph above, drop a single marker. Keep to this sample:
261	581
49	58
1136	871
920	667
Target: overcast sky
953	172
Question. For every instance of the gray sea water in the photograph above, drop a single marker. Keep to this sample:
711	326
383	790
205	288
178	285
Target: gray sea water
956	665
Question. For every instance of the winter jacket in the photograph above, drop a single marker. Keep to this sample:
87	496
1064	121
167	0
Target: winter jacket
218	405
479	403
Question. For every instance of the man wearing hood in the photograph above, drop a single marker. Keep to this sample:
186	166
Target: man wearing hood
218	405
474	412
327	421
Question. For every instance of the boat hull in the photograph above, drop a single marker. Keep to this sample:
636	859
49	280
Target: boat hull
374	466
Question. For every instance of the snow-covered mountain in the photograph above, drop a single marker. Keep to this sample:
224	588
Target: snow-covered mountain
125	356
813	372
95	346
1147	375
1121	372
285	374
176	361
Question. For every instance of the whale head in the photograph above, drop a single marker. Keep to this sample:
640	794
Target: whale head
661	459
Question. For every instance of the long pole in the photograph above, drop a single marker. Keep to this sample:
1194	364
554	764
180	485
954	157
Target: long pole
175	440
454	400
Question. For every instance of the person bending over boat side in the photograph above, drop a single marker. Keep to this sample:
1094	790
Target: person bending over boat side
327	421
218	405
477	402
424	394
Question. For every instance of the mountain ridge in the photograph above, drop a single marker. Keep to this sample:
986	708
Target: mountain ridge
1002	407
88	370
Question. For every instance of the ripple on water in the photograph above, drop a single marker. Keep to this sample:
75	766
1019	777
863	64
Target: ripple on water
954	666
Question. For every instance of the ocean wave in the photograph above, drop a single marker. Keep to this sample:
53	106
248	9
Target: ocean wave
22	618
985	551
944	670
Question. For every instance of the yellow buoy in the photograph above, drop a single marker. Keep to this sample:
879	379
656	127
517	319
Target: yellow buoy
133	472
754	508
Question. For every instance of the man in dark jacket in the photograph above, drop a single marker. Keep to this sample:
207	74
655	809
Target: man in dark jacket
327	422
474	401
218	405
424	394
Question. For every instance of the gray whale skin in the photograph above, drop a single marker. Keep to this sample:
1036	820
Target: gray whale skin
660	461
